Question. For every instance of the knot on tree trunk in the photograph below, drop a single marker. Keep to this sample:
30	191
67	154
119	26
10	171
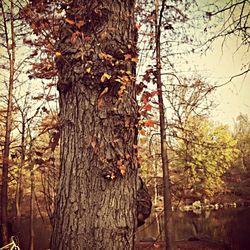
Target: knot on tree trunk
143	202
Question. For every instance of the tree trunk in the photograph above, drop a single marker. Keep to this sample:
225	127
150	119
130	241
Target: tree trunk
96	201
168	224
6	150
19	190
32	198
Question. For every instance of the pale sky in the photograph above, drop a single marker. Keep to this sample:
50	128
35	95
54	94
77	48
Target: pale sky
221	64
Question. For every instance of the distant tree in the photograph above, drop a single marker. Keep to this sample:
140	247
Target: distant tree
242	135
237	178
205	151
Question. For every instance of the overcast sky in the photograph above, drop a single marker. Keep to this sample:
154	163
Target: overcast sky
220	65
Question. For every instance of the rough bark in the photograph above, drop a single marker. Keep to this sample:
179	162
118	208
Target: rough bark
96	201
10	42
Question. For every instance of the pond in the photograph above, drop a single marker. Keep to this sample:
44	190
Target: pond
231	226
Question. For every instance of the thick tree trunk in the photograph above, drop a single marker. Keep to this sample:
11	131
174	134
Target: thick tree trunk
96	201
10	42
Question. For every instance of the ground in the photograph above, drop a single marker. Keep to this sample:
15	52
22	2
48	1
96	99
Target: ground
183	245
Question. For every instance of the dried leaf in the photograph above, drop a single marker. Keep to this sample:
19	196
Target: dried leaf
100	103
74	37
127	57
137	26
121	167
69	21
128	156
149	123
134	59
80	24
93	144
105	77
148	107
104	92
58	53
142	132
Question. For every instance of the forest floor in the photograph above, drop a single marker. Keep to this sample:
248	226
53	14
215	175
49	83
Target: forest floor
182	245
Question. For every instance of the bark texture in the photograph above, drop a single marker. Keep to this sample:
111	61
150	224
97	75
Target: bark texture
10	42
96	202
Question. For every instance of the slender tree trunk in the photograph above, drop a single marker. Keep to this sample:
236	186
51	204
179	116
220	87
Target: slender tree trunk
168	229
96	201
32	199
20	177
6	150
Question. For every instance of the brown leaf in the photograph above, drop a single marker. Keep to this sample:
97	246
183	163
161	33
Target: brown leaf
80	24
69	21
104	92
127	57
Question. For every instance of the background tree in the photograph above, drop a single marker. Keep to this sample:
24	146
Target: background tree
238	178
205	151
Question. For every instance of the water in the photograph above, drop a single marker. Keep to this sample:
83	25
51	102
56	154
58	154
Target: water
230	226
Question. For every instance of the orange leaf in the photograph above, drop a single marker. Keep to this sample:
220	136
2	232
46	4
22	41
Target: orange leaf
74	37
137	26
128	156
154	93
70	21
93	144
148	107
134	59
149	123
104	92
142	132
80	24
100	103
127	57
58	53
121	167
